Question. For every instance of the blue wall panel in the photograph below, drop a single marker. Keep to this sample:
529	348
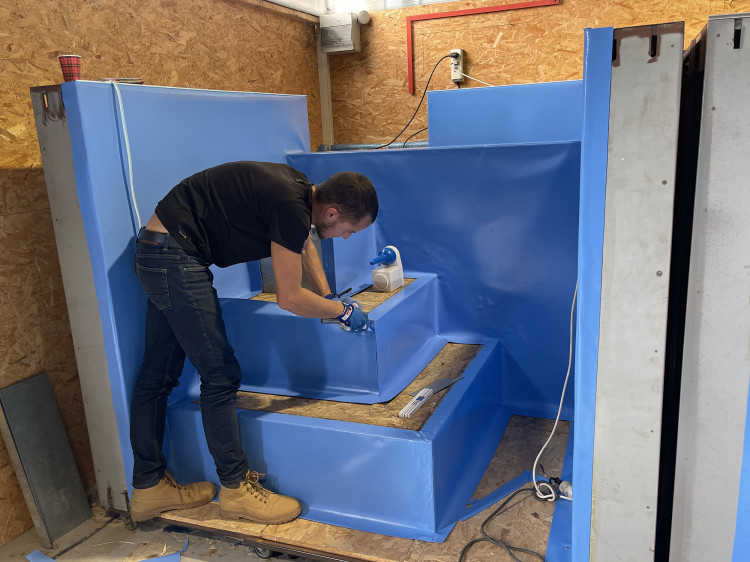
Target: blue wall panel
741	550
173	133
499	227
597	72
351	269
523	113
560	542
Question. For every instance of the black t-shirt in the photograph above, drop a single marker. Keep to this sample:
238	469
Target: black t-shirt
231	213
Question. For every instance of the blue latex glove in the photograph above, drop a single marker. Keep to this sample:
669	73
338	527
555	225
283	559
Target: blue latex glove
350	300
354	319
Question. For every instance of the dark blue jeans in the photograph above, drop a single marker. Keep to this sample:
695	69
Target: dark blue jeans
183	317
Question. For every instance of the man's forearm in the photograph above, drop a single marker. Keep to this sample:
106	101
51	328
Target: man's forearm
313	268
308	304
291	296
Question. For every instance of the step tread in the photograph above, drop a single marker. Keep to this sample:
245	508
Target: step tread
451	361
369	298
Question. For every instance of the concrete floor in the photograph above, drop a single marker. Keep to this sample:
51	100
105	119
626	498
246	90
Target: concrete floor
104	538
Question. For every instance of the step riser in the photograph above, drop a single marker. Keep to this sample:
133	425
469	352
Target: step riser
285	354
412	484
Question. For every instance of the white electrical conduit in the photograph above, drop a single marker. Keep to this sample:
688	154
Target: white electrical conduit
551	495
130	158
475	79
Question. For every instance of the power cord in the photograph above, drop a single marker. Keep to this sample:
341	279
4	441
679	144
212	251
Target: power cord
475	79
556	488
487	538
412	136
552	493
450	56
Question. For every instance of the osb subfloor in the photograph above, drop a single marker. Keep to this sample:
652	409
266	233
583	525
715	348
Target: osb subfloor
451	361
525	523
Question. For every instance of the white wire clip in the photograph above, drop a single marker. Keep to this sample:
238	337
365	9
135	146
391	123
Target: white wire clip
415	403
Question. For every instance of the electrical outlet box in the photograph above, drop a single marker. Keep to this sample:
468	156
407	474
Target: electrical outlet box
457	66
339	33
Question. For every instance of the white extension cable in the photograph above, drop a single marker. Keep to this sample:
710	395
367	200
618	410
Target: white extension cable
475	79
566	491
127	150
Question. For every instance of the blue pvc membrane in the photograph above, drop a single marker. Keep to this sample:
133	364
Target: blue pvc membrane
498	226
412	484
741	549
559	544
521	113
597	72
490	234
172	133
368	367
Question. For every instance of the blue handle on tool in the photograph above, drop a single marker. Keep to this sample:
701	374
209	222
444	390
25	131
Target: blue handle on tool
386	256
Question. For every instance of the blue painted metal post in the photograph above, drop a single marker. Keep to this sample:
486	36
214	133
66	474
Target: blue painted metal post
597	72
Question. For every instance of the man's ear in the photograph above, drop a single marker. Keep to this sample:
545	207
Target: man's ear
331	213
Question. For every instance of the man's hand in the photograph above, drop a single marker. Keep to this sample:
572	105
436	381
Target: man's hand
354	319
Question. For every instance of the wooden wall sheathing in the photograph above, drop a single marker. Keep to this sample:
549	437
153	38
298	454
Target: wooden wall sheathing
371	103
214	44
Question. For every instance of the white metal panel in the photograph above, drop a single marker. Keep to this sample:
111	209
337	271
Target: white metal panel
716	356
78	282
643	125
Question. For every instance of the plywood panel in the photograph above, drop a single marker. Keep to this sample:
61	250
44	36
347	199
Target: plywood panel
35	337
193	43
370	99
14	515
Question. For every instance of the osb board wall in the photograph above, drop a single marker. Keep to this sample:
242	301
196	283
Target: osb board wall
371	103
215	44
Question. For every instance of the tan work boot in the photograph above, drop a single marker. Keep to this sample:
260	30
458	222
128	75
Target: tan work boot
168	494
253	502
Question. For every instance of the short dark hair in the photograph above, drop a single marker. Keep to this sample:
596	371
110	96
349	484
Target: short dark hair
351	194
